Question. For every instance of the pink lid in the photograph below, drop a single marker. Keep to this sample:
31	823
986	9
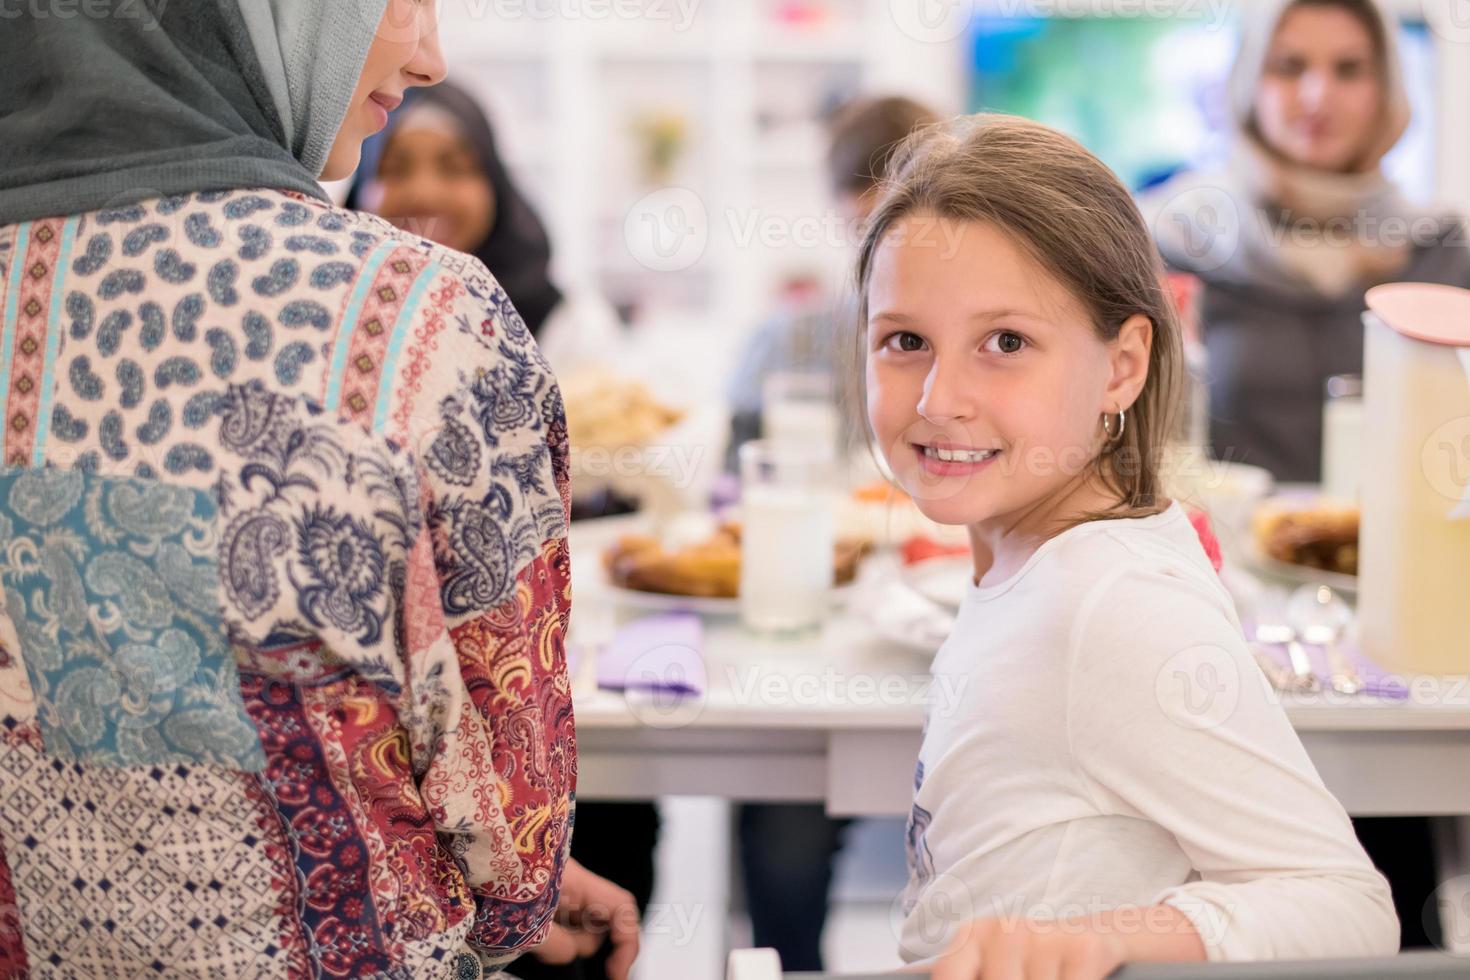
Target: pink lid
1424	311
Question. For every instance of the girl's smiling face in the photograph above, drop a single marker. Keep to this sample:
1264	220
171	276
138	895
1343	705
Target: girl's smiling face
986	378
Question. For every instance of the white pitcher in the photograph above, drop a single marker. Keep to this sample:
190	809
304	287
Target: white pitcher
1414	550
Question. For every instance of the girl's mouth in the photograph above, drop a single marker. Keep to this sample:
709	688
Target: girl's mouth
953	461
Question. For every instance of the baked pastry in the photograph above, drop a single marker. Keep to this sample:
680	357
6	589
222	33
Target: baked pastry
706	569
1322	535
609	412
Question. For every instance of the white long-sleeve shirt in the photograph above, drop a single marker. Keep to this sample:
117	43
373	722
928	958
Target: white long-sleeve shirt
1114	744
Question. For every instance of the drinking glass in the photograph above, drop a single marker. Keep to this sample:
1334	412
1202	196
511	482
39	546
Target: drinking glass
787	537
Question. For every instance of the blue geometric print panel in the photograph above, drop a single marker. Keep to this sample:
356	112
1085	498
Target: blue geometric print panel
112	584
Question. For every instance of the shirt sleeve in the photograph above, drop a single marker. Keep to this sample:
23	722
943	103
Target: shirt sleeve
1171	721
487	599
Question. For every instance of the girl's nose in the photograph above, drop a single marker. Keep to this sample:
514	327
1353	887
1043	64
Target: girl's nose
947	397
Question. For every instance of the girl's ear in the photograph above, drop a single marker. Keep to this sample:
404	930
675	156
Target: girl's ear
1129	354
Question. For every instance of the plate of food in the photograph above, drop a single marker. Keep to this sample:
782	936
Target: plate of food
882	513
1306	539
611	423
702	575
942	579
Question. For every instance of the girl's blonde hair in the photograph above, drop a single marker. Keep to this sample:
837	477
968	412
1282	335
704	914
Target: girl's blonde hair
1073	216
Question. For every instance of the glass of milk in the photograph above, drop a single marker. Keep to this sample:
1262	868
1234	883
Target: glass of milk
1342	437
787	537
799	408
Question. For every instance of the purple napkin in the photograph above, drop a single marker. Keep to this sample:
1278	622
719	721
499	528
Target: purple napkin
1376	681
656	653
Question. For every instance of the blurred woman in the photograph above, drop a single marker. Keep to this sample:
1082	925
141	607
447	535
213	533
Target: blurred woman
1285	243
1302	222
436	171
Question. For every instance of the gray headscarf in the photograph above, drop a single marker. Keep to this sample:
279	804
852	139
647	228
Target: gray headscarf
124	101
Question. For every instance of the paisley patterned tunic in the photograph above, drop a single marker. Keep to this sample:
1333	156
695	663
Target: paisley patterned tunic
283	514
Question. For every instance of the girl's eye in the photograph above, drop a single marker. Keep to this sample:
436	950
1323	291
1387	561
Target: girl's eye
1007	343
905	342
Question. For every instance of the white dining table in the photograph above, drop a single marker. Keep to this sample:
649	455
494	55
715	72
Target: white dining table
837	719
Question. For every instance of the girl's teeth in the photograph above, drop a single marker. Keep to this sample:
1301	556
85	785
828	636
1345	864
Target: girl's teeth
958	455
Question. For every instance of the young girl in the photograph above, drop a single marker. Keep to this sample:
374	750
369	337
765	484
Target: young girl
1116	783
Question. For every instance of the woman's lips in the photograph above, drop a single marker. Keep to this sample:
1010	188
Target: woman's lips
380	116
382	105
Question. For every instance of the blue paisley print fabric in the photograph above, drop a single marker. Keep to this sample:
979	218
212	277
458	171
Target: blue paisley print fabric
111	585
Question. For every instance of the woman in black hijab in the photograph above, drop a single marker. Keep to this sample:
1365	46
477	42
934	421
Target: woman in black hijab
436	171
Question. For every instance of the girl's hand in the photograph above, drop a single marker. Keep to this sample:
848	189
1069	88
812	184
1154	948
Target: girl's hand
1029	949
1070	949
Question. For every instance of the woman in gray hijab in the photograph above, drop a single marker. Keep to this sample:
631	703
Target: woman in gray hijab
1285	242
283	515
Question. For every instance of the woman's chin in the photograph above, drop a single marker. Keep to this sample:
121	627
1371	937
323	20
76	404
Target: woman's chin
342	160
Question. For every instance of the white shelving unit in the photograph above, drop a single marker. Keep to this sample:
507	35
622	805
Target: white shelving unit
566	80
566	89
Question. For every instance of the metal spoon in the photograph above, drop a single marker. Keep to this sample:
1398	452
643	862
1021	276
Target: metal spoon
1320	616
1273	629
